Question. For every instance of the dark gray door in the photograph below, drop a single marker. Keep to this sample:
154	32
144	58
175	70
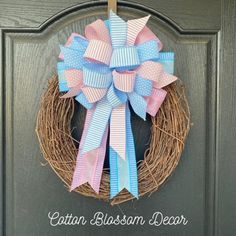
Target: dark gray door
202	33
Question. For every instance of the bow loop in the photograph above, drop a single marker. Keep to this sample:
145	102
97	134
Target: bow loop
74	77
148	51
134	28
98	51
74	82
98	31
151	70
143	87
94	94
73	58
147	35
78	42
75	40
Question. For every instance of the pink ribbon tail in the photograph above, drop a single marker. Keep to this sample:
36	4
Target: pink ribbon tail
118	130
89	166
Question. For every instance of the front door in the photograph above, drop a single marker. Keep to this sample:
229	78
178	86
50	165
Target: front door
202	35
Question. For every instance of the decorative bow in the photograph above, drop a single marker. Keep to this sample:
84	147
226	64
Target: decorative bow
117	63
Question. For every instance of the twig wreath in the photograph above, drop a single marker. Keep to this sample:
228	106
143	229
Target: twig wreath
117	65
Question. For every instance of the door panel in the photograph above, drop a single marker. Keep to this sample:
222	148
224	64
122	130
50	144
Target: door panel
29	59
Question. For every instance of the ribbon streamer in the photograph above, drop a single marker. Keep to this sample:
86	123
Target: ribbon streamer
116	65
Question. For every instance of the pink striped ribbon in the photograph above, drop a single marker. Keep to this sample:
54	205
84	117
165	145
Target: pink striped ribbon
89	166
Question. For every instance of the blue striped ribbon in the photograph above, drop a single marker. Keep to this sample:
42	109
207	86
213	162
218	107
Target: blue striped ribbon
61	67
84	101
167	60
118	30
115	97
125	58
138	104
98	125
96	78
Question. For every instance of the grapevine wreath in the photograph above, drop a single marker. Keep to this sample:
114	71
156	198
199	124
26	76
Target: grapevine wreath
116	66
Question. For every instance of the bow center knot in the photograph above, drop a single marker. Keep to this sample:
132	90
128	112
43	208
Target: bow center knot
125	57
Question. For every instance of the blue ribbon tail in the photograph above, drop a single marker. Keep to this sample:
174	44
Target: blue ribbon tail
98	126
123	173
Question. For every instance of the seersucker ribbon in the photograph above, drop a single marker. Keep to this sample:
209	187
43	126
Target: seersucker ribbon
116	65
